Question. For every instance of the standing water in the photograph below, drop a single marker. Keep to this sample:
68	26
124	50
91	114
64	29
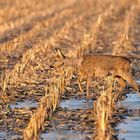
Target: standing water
70	122
130	128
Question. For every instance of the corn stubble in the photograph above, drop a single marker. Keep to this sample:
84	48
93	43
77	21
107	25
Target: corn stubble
104	108
47	105
56	87
25	72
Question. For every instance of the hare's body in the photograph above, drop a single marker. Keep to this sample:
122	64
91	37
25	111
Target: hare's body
104	65
101	66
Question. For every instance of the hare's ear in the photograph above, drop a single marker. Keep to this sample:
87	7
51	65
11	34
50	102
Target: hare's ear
60	54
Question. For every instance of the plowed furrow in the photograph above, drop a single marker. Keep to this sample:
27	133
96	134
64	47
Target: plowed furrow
41	31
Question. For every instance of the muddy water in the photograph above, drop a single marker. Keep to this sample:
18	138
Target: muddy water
69	122
6	132
63	135
7	136
24	104
130	128
76	104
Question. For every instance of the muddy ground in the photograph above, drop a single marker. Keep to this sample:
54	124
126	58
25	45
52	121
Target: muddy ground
29	33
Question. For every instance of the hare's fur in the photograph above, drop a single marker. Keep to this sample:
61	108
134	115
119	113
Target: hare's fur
101	66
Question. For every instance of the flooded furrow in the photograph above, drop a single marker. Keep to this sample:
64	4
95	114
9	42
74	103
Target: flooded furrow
73	120
22	109
129	129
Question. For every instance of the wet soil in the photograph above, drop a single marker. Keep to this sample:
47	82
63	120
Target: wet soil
73	119
22	31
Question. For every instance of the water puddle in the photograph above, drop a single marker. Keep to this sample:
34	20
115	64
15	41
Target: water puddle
130	128
24	104
69	123
132	101
2	135
9	136
64	135
72	104
138	82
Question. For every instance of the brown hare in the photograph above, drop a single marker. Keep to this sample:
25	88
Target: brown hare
100	66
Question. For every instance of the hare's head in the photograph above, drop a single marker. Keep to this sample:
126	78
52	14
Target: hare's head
65	61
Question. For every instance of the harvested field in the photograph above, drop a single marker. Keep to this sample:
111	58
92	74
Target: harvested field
40	98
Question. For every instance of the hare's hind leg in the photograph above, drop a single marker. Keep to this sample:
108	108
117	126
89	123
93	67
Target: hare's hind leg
121	82
128	77
80	86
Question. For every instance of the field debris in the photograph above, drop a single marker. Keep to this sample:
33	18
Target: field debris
31	70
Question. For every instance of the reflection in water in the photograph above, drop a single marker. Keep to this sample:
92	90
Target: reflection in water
2	135
138	82
130	128
132	101
9	136
24	104
62	134
76	104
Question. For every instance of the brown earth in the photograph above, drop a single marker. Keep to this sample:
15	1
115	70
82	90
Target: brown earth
31	30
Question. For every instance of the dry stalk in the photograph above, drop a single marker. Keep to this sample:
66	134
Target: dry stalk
14	76
91	39
55	88
85	45
48	104
125	42
103	110
18	42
